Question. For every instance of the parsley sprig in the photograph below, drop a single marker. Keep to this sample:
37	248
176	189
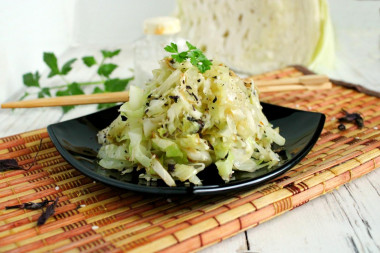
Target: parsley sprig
196	56
103	85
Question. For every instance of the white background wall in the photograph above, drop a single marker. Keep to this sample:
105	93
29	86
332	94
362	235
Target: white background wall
27	28
30	27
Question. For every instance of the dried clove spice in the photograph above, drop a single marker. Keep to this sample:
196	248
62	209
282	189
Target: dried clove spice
48	212
30	205
352	117
9	164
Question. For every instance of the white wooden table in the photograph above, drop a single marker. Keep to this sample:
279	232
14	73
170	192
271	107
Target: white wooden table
346	220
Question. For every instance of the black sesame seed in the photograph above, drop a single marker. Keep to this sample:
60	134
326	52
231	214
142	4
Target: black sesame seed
171	167
175	98
195	97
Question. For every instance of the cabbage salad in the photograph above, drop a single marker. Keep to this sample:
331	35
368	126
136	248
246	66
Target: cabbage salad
186	120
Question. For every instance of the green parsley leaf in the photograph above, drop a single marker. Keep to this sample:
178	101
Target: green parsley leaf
204	67
177	58
65	93
110	54
102	106
67	108
106	105
24	96
191	47
46	91
75	89
89	61
116	84
172	48
97	90
61	93
51	60
196	56
66	68
40	94
194	62
72	89
106	69
31	80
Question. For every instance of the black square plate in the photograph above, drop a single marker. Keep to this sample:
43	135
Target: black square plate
77	142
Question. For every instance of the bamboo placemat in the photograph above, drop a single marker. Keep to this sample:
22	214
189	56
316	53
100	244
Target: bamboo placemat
93	217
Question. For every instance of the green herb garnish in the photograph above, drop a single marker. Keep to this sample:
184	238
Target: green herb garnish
104	71
196	56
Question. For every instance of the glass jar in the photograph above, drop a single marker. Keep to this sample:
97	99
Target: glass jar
149	50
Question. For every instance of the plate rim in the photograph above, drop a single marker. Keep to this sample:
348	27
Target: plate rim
194	190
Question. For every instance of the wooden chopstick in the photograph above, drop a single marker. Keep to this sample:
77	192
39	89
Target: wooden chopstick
293	87
99	98
309	82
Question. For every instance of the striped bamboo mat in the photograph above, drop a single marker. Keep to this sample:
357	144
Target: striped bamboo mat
93	217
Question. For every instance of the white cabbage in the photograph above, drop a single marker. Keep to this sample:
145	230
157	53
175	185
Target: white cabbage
186	120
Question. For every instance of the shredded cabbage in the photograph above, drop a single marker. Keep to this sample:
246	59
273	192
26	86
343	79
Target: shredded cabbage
185	121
